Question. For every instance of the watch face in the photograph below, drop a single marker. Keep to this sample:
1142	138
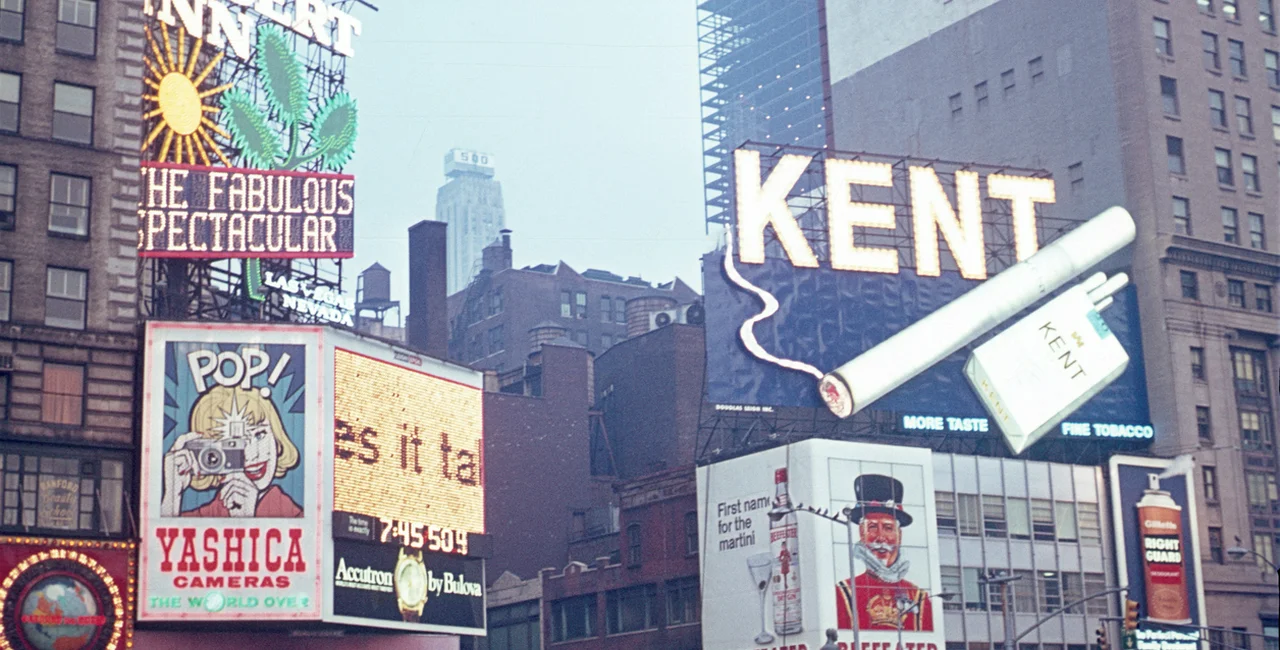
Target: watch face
411	582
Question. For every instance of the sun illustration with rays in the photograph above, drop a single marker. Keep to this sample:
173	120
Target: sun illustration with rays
181	100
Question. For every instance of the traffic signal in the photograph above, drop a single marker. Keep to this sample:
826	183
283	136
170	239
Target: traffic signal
1130	615
1102	638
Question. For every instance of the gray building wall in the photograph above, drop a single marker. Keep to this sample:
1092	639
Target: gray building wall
1099	105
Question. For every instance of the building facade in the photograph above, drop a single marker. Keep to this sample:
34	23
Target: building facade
70	97
471	203
1171	110
491	320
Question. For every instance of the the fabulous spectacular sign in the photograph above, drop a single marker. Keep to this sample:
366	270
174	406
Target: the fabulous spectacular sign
831	254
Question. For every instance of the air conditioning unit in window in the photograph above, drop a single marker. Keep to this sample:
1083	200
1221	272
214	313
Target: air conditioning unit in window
690	314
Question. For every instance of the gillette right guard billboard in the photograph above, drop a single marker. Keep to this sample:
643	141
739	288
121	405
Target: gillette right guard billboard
832	255
1153	503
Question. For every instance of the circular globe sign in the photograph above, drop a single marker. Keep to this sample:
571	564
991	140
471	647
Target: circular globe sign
60	612
60	600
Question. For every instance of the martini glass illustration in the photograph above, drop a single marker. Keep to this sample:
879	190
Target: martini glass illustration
761	567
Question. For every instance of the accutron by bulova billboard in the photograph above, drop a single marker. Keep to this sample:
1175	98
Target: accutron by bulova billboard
833	254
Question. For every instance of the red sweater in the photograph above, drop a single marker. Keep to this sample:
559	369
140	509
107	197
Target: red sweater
878	605
271	503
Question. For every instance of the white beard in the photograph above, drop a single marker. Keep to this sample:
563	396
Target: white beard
886	573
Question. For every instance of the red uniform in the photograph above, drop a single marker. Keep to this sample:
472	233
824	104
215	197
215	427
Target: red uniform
878	605
272	503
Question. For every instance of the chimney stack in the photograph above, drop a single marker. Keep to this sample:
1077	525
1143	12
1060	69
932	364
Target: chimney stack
497	255
428	322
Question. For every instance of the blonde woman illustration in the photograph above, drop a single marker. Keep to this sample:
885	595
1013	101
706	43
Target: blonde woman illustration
236	444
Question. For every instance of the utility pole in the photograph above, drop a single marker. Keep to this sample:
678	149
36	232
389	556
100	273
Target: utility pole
1010	631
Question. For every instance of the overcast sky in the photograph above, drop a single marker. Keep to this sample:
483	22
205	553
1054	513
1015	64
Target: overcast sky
590	109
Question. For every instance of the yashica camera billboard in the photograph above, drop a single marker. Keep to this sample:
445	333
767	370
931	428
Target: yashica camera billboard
231	465
773	577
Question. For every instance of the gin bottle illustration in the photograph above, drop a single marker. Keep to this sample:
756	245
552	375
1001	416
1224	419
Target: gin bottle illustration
785	547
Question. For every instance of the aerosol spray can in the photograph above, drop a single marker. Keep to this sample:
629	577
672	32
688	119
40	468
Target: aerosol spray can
1160	528
784	543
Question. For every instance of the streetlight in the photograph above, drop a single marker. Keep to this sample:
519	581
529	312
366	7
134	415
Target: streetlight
1239	552
902	616
1010	632
847	522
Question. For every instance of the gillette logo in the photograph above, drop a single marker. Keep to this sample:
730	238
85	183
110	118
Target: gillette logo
1154	523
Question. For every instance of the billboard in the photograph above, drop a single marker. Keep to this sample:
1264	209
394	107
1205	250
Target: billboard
773	578
231	455
395	584
1157	549
63	593
833	253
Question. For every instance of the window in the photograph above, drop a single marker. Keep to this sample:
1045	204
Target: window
1262	544
515	627
573	618
1217	639
683	601
1181	216
1050	584
4	401
606	309
970	519
1204	425
1257	488
77	26
1257	236
1244	116
1215	544
566	304
1249	171
1197	363
975	592
1240	638
1093	583
1262	294
1206	6
1235	53
1065	514
6	290
497	342
1217	109
1174	147
952	584
634	547
1042	520
1019	522
1230	225
65	298
69	204
495	302
8	196
1275	123
62	394
1222	158
68	492
945	502
1230	10
1024	592
72	113
1008	80
1076	174
1210	475
10	100
1251	433
1235	293
1090	524
1272	61
1072	590
631	609
980	95
1211	60
619	310
1270	632
956	104
1036	67
580	306
691	533
1190	285
1164	46
1267	15
11	20
606	341
1169	95
1250	371
994	523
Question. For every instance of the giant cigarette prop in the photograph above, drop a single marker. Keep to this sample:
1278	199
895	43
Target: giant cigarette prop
872	374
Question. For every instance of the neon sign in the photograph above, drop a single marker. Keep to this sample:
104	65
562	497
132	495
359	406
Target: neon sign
321	302
325	24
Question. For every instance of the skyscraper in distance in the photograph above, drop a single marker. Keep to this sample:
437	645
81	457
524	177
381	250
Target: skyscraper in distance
471	203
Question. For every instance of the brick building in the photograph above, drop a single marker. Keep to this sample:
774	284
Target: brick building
70	97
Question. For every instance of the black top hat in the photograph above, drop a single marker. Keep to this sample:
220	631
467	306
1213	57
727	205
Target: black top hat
878	493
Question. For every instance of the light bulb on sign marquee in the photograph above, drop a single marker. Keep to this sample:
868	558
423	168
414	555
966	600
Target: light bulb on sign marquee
931	210
1024	193
844	213
325	24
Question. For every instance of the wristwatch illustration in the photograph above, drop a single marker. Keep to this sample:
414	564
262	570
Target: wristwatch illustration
411	585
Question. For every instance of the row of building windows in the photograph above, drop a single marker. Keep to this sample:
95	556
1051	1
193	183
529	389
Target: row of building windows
1264	544
51	493
1042	591
61	394
1211	53
989	515
1255	431
72	109
69	200
65	296
76	31
1262	301
1222	160
1241	108
573	304
1249	372
1256	235
1231	11
1008	85
635	540
631	609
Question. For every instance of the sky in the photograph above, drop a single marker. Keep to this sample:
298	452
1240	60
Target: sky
591	110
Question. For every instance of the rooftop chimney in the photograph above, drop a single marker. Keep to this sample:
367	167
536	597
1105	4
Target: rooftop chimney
428	321
497	255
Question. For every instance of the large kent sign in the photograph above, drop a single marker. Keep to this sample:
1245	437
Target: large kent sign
231	28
